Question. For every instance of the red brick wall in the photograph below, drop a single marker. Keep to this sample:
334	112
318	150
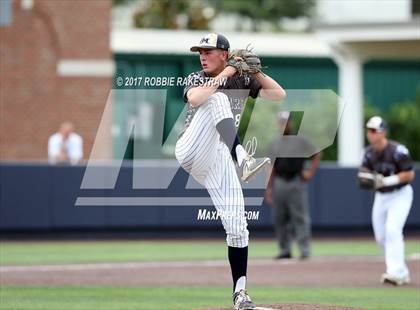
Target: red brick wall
34	99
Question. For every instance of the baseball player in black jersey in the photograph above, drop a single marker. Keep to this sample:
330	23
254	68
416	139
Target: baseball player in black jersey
388	166
209	148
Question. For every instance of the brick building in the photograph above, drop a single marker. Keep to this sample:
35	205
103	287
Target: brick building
56	65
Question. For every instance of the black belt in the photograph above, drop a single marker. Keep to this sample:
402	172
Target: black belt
392	188
288	177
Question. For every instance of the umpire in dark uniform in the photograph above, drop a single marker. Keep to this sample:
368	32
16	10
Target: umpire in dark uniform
287	189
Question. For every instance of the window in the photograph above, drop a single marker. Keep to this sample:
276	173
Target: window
5	12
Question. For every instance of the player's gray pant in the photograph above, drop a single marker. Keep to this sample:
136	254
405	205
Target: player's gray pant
201	153
291	214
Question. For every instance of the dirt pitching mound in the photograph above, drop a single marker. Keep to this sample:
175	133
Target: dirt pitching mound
294	307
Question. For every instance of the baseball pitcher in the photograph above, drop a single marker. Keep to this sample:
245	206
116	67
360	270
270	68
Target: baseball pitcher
209	147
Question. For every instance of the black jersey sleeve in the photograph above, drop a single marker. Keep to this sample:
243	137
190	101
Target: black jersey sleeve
193	80
367	160
402	158
254	88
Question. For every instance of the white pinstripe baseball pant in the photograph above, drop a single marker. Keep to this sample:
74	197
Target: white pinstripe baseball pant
202	154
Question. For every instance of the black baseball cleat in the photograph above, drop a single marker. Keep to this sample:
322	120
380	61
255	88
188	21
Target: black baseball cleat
304	256
390	279
242	301
283	256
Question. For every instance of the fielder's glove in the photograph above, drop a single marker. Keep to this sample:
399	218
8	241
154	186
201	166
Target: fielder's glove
366	180
245	61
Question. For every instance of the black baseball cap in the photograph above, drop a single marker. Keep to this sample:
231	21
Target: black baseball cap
212	40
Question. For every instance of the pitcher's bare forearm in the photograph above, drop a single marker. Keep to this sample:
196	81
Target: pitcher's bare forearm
271	90
197	95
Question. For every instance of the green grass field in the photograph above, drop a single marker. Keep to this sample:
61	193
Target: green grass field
24	253
183	297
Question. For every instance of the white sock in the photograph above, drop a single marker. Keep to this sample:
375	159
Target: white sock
240	284
241	154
